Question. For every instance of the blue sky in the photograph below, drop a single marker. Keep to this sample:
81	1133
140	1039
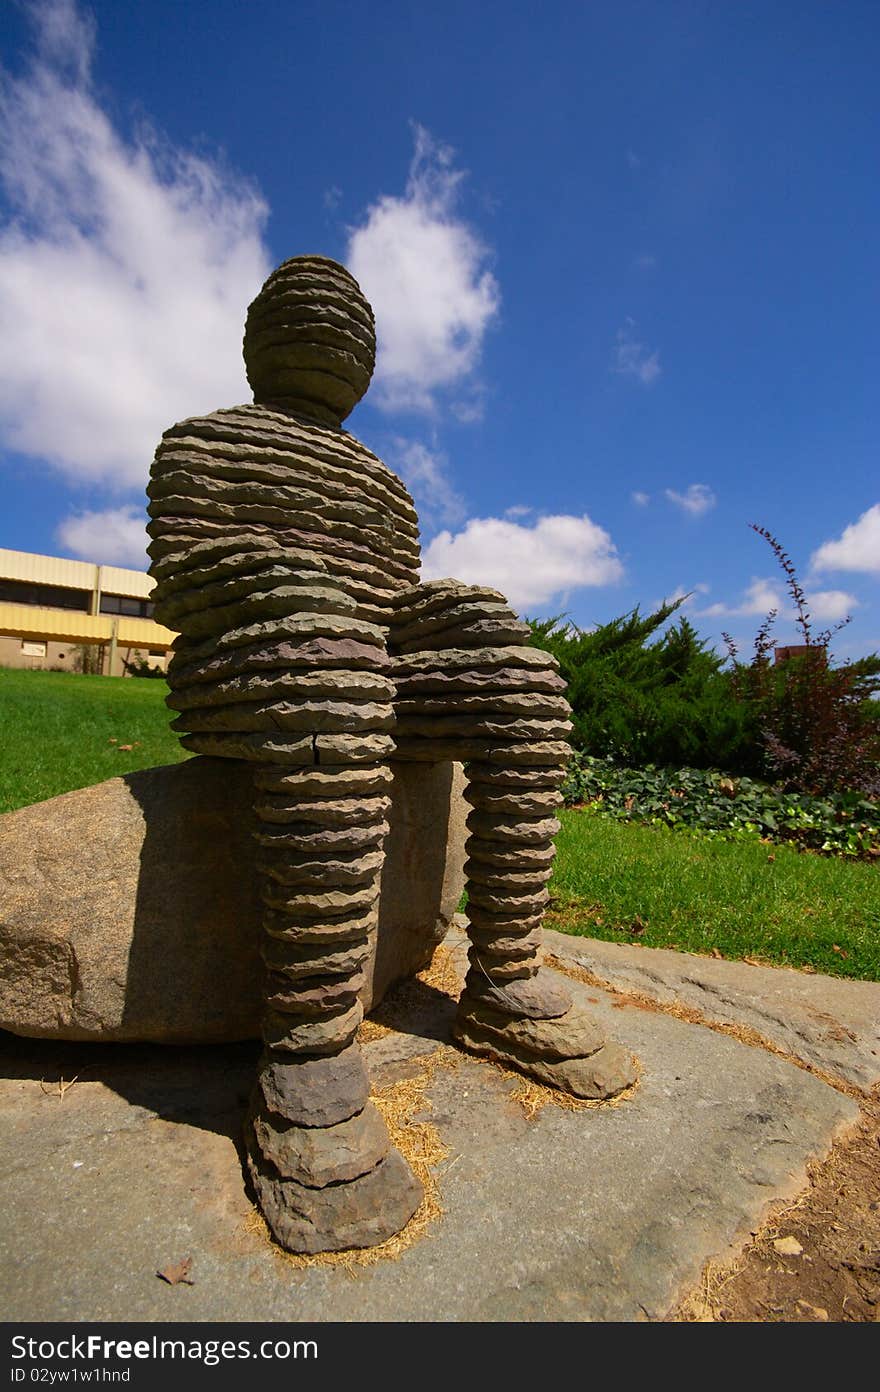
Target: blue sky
623	258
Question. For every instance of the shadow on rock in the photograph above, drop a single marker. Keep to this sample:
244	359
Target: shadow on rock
206	1086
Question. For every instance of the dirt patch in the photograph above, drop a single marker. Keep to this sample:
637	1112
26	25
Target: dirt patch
815	1259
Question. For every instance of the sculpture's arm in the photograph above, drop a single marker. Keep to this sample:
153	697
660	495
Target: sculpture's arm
466	676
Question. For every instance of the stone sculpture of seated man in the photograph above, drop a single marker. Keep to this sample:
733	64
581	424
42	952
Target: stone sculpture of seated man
286	556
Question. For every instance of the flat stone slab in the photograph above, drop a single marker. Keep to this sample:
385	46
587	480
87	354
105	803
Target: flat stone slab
826	1021
600	1214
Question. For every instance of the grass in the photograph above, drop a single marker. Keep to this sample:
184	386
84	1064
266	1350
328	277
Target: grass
666	888
613	880
59	731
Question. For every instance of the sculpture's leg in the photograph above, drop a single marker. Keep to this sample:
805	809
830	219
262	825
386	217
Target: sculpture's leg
319	1152
510	1008
275	666
510	855
469	687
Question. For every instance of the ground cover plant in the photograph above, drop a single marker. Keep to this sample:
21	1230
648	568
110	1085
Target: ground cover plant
60	731
715	804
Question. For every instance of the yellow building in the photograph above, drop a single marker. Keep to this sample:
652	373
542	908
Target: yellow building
62	614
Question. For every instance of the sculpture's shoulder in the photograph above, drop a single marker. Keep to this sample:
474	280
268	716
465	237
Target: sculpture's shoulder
276	442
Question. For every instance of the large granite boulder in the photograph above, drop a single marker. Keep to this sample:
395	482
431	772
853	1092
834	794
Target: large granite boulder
129	910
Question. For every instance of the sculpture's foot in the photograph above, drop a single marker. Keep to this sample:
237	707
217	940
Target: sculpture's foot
325	1172
360	1213
521	1024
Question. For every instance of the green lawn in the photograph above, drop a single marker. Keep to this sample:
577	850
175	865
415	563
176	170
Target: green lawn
59	731
667	888
614	880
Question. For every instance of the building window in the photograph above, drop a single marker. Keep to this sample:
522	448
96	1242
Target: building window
126	605
31	648
47	596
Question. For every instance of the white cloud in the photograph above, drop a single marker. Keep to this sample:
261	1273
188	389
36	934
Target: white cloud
759	598
115	536
518	510
633	359
858	548
424	473
424	271
763	595
831	605
640	499
696	499
530	565
472	407
125	270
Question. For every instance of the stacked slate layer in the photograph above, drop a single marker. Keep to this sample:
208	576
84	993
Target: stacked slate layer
286	557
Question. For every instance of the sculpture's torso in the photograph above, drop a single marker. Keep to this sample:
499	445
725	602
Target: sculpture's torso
290	482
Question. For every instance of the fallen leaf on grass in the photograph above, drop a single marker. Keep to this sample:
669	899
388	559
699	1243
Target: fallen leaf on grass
637	927
839	950
716	952
753	961
112	740
788	1246
126	747
177	1274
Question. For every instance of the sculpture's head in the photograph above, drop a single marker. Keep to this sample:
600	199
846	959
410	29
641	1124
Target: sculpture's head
310	340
